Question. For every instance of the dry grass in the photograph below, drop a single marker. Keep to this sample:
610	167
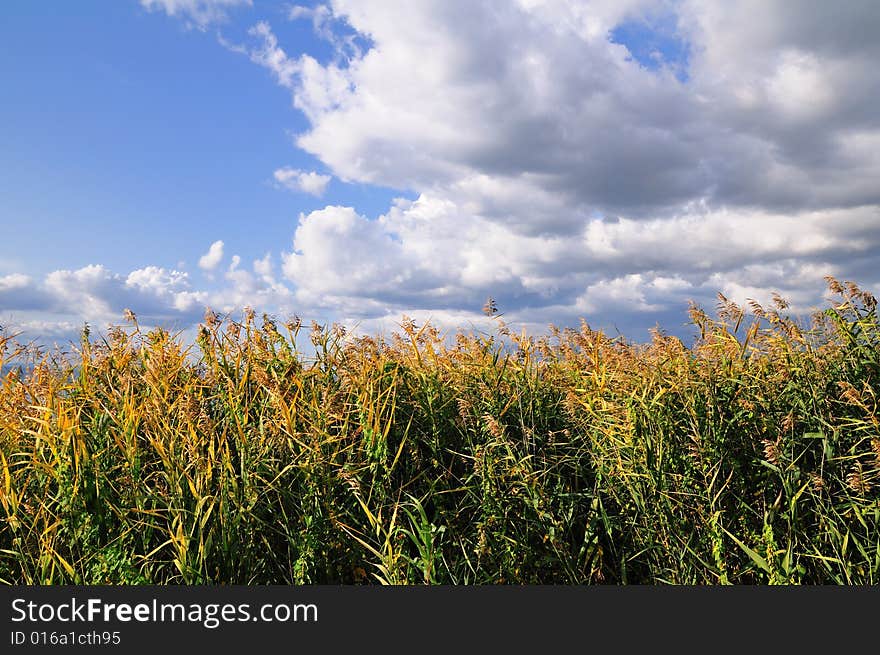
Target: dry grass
751	457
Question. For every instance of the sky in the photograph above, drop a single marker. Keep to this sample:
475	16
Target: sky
361	160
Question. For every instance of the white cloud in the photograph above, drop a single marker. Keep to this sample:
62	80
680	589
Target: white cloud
249	290
432	254
14	281
263	267
308	182
555	171
158	296
170	288
536	93
371	263
270	55
199	13
50	328
211	259
550	169
157	279
86	290
96	294
20	292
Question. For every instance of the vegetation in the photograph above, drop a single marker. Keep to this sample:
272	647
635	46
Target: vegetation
751	457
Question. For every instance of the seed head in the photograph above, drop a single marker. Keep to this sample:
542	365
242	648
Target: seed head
211	318
756	308
494	428
294	324
771	451
779	301
833	285
857	481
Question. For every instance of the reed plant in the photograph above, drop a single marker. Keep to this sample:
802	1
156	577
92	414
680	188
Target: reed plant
751	456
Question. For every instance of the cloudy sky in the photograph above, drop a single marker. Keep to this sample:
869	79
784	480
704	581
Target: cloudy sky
363	159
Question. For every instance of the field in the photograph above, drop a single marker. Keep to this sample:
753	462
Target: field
749	457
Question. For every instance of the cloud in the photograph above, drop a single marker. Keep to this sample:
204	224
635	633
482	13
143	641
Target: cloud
13	281
211	259
546	166
308	182
158	296
259	289
372	265
65	330
198	13
169	289
97	294
20	291
556	172
535	95
271	56
431	254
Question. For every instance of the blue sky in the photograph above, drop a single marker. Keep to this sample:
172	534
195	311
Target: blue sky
655	41
605	160
131	140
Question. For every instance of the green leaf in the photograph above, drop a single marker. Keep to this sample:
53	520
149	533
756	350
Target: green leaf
753	555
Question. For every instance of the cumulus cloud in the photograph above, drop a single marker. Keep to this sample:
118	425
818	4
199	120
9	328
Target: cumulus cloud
211	259
555	170
535	96
58	304
432	253
372	266
100	295
296	180
13	281
198	13
258	289
47	329
18	290
548	167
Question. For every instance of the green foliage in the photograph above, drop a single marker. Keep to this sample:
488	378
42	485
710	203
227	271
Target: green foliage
751	457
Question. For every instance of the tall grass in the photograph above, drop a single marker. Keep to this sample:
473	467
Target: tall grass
751	457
